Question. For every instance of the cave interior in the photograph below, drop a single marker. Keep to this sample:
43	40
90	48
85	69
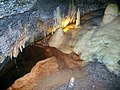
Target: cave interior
59	45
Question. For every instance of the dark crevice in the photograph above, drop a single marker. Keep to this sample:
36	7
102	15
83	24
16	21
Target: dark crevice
25	61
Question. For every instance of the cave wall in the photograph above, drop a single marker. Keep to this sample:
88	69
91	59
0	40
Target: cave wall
12	23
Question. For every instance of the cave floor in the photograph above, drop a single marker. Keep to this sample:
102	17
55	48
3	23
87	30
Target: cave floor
93	76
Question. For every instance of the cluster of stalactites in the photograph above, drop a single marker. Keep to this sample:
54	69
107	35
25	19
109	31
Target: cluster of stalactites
58	37
19	44
72	17
74	14
57	20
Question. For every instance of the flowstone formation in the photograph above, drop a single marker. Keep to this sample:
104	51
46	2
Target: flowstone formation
110	13
102	44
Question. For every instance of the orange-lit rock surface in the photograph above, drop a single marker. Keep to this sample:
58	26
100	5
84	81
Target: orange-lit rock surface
39	71
57	66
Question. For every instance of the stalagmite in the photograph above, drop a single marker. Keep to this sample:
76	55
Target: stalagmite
58	36
78	18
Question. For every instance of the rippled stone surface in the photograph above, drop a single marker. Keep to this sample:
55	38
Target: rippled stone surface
102	44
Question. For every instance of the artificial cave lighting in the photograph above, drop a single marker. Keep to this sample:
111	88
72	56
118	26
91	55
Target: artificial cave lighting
60	22
68	27
65	22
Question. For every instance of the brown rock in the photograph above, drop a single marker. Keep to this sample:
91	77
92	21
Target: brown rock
59	63
39	71
65	48
65	60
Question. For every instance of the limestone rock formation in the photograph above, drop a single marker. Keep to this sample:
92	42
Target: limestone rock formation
102	45
110	13
28	12
57	38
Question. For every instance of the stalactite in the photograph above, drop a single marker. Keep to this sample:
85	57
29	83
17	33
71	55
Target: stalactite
11	55
53	29
19	43
59	18
73	12
15	50
69	10
55	22
20	46
78	18
55	18
23	44
58	36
